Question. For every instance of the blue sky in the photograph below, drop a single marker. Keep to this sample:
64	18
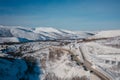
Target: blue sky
63	14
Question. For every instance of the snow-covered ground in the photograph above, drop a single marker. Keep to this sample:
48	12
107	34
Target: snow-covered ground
49	58
57	60
105	57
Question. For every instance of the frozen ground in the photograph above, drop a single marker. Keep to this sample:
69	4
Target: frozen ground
95	59
52	60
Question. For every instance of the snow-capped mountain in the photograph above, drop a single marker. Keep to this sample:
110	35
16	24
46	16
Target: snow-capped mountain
16	34
23	34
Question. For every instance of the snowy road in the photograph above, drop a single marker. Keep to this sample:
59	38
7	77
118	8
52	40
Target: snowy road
88	65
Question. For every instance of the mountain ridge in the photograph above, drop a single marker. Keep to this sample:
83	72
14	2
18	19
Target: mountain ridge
41	33
23	34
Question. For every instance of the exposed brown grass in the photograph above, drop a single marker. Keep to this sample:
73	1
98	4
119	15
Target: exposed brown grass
55	53
51	76
92	39
43	63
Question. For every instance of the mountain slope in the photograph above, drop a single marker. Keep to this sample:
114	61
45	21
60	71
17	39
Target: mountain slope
41	33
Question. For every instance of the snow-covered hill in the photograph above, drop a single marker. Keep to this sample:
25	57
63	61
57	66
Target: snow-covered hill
42	33
107	34
23	34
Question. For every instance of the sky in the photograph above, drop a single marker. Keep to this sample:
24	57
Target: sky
61	14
